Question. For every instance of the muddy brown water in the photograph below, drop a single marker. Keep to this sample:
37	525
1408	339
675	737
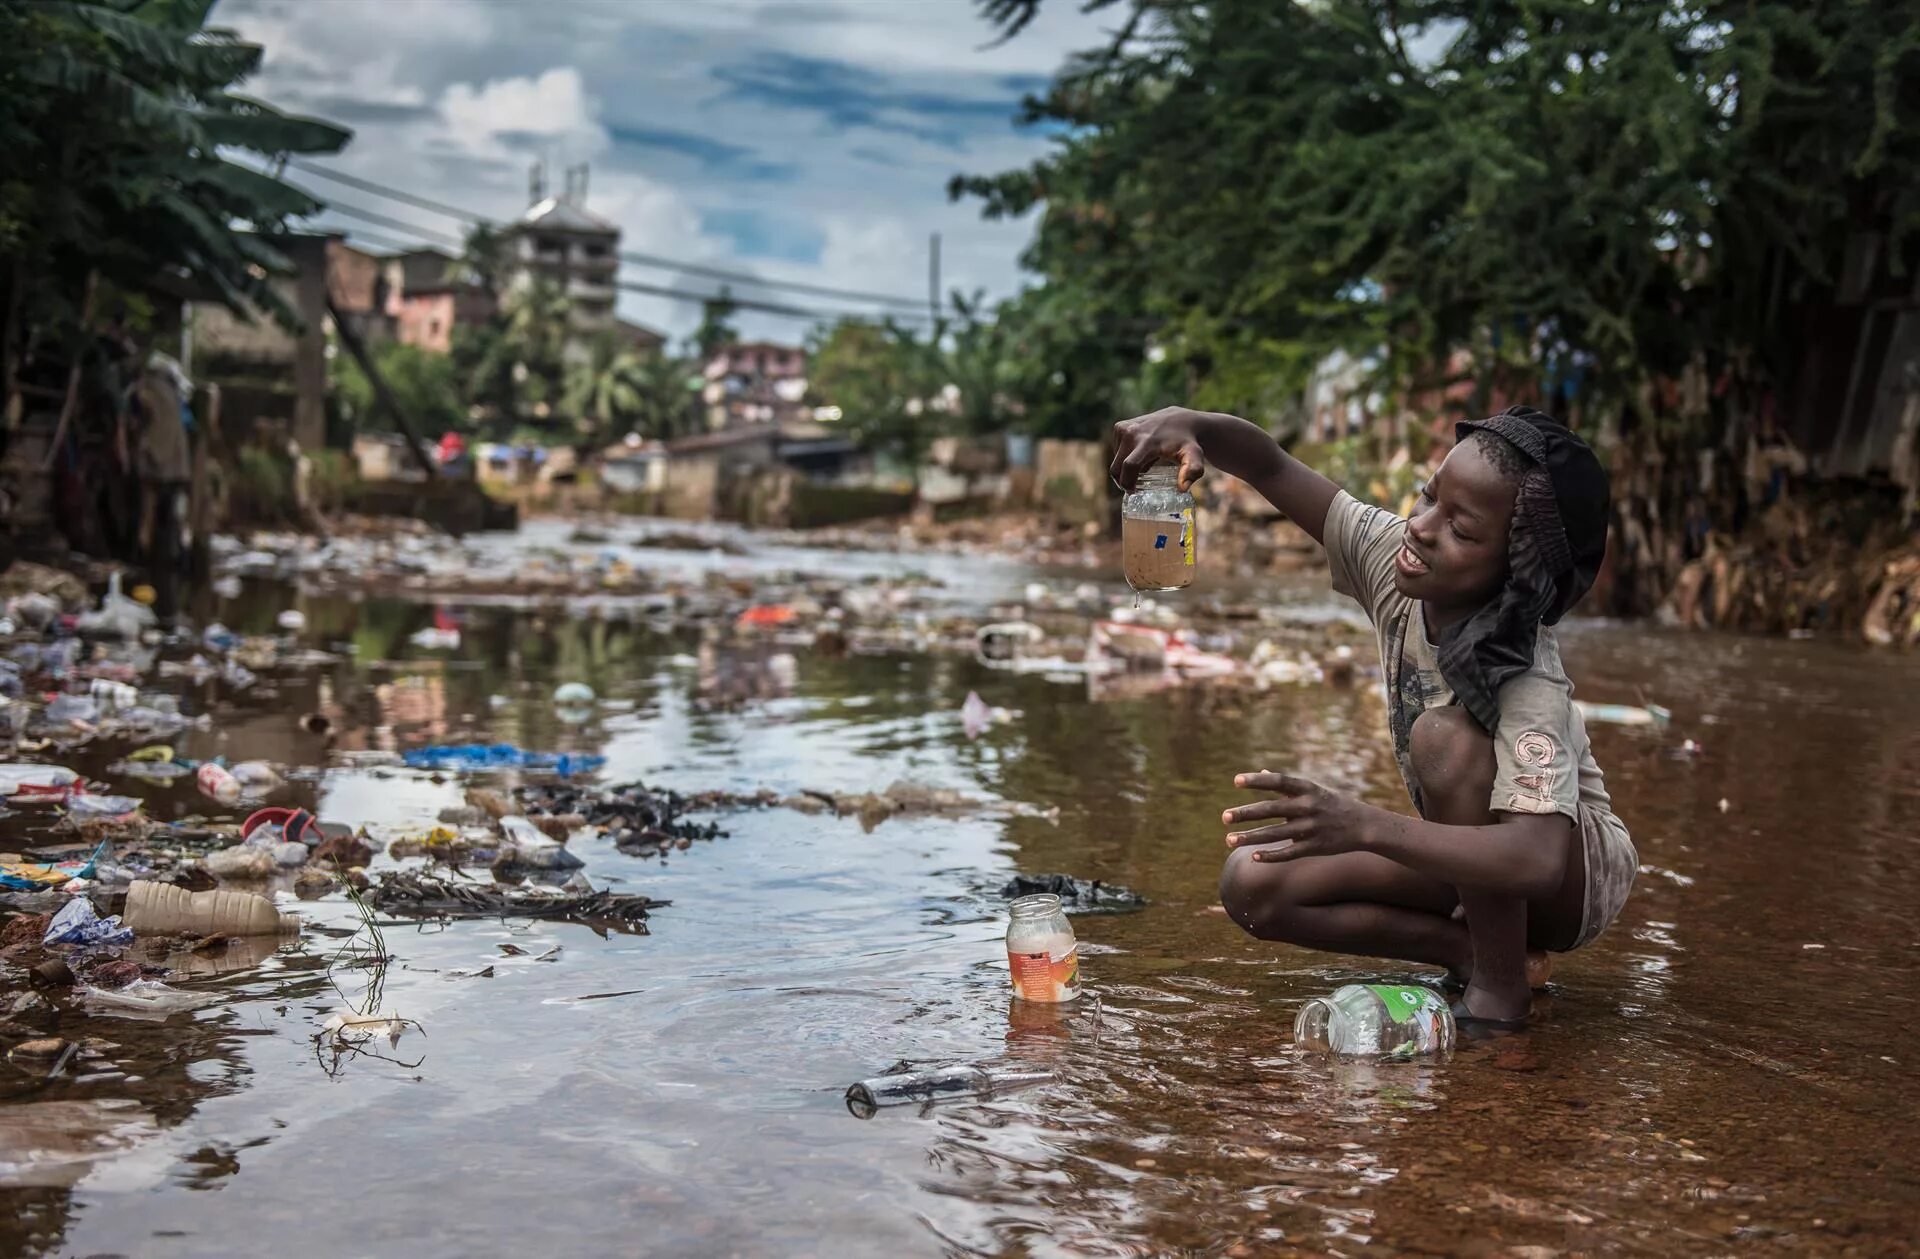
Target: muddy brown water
1727	1070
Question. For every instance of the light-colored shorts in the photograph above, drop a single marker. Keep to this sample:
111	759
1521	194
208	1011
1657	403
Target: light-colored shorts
1611	865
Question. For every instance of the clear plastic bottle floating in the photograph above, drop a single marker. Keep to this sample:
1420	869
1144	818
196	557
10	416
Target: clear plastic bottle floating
1157	535
1042	954
1376	1021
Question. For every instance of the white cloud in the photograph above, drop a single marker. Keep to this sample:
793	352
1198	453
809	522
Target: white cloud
554	105
454	100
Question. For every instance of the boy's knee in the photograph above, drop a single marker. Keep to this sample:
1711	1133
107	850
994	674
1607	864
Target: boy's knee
1255	895
1452	757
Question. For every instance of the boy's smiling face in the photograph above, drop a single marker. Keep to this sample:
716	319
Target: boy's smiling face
1455	555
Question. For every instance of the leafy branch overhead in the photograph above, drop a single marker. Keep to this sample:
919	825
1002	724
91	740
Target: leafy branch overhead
1586	197
118	121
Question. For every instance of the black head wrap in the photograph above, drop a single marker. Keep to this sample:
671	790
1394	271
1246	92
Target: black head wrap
1554	549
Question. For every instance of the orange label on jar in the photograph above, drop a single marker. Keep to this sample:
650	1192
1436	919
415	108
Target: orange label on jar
1041	977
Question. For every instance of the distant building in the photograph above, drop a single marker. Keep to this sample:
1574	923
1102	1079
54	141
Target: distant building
358	287
271	372
561	241
638	337
710	476
756	382
426	302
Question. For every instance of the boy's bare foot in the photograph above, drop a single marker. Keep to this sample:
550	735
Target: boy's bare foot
1485	1010
1539	971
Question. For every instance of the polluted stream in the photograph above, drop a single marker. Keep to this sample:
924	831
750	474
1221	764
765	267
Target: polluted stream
1719	1071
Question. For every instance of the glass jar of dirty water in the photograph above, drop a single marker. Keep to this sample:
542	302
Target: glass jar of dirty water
1157	537
1041	951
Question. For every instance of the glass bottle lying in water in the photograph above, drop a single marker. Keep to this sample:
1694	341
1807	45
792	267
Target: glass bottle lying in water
1376	1021
1157	537
947	1084
1042	954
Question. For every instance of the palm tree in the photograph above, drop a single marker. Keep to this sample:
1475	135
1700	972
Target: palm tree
669	401
516	360
620	390
603	390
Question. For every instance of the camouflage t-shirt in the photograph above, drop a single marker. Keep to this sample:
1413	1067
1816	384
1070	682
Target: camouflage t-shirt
1544	762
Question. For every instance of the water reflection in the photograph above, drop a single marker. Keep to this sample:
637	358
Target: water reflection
1678	1082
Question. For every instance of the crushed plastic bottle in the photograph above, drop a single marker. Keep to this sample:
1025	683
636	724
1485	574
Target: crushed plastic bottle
242	861
163	909
112	696
92	806
256	777
947	1084
1376	1021
65	710
217	784
529	846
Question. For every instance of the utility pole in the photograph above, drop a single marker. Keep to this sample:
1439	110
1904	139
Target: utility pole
933	276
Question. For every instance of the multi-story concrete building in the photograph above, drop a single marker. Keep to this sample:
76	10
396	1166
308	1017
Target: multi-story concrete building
560	241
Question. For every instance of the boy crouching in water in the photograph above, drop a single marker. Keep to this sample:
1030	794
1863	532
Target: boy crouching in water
1516	848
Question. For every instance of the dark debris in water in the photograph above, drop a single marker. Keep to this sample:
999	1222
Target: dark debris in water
1077	896
415	894
640	820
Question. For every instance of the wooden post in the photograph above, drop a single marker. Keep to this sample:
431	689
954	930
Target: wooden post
351	339
198	491
73	373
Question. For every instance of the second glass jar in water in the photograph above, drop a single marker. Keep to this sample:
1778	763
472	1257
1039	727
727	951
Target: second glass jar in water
1041	950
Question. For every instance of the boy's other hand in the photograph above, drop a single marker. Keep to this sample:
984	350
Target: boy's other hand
1167	434
1305	820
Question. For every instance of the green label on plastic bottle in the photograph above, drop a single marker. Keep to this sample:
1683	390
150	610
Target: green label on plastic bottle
1402	1003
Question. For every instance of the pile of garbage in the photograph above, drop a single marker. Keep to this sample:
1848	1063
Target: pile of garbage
640	821
420	894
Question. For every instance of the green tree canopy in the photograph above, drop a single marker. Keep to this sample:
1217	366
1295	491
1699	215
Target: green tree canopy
423	383
118	122
881	376
619	390
1581	198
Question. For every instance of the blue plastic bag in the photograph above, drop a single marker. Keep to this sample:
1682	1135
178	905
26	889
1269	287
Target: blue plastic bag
484	756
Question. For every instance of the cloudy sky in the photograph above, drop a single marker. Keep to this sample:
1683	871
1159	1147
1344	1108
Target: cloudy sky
801	140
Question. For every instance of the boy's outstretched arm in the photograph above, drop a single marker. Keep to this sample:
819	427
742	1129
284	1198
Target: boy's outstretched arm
1524	855
1231	444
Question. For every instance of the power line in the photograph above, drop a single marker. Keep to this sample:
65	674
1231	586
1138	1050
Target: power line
634	286
396	194
399	225
797	286
747	303
655	261
384	242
